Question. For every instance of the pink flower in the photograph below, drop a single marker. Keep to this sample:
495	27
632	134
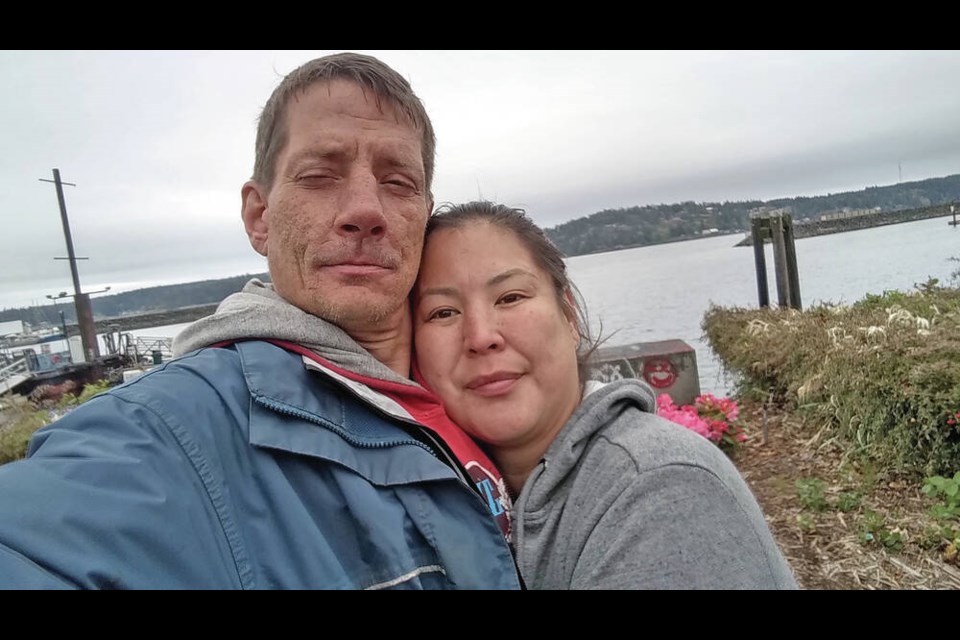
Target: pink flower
713	418
664	401
719	426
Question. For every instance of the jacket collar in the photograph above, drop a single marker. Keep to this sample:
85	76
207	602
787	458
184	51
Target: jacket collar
335	423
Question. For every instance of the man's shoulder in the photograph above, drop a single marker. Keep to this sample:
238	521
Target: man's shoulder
200	373
217	360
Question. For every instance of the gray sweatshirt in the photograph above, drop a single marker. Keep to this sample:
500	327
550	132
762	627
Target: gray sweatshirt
625	499
260	313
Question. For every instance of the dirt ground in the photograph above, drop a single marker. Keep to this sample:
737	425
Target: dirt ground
870	530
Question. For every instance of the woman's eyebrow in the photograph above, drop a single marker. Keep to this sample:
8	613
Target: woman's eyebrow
495	280
438	291
506	275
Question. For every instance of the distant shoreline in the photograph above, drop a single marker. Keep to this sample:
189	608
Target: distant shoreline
657	244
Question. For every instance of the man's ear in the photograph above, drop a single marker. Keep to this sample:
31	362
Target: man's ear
253	212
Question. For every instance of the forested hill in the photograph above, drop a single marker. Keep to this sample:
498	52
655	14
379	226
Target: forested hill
654	224
164	298
603	231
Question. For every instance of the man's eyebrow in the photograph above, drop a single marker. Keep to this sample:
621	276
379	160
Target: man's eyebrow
402	161
315	154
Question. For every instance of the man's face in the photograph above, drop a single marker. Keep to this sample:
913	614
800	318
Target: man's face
342	225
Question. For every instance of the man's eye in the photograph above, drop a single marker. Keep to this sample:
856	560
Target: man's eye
314	178
401	184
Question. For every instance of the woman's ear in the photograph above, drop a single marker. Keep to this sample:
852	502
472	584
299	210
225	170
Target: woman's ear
253	211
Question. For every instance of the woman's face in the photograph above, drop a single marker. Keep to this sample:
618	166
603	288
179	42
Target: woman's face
492	339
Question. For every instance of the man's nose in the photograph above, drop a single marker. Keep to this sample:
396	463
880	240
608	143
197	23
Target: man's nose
360	213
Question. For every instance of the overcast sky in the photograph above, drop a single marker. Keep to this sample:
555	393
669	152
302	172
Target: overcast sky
158	143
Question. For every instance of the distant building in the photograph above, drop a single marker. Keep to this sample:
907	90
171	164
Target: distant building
11	328
769	211
847	212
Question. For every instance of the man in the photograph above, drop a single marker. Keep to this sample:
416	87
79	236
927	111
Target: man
284	449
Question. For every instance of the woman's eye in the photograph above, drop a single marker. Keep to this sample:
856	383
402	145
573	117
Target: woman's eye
441	314
510	298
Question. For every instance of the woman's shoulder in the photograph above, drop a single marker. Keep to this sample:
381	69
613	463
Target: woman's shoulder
650	440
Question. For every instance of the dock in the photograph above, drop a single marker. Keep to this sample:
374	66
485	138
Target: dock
28	370
13	375
148	320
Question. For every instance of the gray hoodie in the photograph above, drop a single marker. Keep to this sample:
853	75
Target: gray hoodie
625	499
259	312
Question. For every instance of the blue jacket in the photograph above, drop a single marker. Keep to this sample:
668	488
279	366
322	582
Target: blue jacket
240	468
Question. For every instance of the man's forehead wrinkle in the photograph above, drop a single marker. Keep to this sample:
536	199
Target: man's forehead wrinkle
398	116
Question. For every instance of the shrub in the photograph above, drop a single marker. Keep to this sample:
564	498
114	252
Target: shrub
15	437
883	373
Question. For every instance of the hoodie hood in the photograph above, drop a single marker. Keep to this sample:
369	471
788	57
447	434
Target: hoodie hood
601	406
257	312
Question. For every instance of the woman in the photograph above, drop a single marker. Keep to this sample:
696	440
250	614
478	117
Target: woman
607	494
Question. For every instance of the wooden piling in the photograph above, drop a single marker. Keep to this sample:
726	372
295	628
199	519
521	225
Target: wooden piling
757	228
779	228
780	261
793	274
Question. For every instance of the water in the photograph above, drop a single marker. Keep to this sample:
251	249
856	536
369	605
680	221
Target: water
662	292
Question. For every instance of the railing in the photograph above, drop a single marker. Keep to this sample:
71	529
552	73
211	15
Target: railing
151	348
13	374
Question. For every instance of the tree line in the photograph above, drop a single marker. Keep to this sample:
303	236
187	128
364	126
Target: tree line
161	298
614	229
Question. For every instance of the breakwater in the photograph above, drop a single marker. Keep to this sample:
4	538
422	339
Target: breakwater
147	320
857	221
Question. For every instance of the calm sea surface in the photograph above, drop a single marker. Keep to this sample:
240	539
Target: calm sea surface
661	292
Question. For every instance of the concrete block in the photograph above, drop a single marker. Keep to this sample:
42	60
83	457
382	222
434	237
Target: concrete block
668	366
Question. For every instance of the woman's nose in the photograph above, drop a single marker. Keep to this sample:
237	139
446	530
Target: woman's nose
482	333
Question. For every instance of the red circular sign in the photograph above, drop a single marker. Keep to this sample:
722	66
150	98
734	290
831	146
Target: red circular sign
660	373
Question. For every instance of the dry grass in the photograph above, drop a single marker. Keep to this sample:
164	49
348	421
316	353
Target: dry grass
18	421
826	547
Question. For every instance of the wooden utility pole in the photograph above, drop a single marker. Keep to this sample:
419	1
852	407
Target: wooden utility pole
88	330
